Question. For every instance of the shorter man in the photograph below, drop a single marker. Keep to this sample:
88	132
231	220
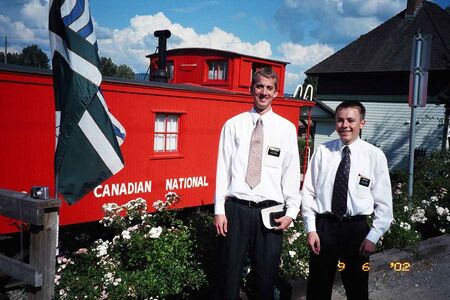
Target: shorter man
348	180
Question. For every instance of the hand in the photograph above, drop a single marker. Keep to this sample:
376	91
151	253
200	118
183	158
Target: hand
313	241
283	222
221	224
367	248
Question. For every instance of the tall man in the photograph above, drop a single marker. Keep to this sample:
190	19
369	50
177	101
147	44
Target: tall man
257	167
348	180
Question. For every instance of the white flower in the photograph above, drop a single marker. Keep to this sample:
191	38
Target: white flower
81	251
442	230
440	210
155	232
102	248
405	225
405	208
294	237
434	199
419	216
126	234
292	253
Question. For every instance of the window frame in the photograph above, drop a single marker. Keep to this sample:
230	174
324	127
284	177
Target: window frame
165	153
219	61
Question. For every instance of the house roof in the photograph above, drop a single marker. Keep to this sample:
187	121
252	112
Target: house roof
388	46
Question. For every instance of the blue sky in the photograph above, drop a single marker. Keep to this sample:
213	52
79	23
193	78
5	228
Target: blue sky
302	32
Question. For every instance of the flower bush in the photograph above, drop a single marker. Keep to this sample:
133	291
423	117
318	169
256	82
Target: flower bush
427	213
141	256
295	253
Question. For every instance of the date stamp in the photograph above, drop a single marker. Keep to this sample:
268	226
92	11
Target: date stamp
397	266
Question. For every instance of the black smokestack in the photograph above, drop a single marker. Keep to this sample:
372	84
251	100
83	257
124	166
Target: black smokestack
161	73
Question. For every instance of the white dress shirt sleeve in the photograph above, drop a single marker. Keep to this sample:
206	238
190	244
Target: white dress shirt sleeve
290	179
382	197
309	194
223	177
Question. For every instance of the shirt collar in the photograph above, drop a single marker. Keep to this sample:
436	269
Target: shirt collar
352	146
255	116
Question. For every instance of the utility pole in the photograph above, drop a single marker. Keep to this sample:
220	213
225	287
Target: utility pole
6	49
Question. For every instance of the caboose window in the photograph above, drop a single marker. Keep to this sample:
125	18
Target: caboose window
166	133
217	70
170	69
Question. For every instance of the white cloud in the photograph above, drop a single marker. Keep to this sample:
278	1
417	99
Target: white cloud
302	58
336	22
305	55
130	45
35	13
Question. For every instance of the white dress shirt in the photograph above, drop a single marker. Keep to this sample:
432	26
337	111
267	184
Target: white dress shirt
369	185
280	172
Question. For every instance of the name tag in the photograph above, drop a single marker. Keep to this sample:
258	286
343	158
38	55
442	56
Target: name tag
364	181
274	151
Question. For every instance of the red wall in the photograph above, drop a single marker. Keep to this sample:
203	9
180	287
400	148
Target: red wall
28	140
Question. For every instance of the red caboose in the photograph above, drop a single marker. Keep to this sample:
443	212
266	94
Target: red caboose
172	129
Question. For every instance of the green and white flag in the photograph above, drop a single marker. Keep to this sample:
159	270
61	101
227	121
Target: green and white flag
88	136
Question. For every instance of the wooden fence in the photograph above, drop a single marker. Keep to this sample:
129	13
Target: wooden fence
42	216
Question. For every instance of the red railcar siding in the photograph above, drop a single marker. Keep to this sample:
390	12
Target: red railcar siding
28	141
191	66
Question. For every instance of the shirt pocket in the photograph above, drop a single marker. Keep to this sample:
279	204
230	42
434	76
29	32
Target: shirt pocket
272	157
363	185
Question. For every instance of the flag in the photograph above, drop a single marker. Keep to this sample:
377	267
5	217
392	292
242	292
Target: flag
88	136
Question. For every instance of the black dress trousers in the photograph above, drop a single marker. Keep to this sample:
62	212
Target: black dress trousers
247	234
340	241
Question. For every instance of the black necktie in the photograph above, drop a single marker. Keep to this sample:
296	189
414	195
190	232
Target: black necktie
340	188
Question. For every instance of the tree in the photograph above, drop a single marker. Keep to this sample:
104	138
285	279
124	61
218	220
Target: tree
124	71
34	56
12	58
30	56
109	68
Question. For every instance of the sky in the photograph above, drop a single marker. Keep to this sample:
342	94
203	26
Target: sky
301	32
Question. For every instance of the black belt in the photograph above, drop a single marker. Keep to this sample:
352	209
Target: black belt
265	203
344	219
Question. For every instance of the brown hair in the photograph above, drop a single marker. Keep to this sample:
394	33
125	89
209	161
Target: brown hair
265	72
352	104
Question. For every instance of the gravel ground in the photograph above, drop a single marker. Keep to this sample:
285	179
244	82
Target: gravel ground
428	276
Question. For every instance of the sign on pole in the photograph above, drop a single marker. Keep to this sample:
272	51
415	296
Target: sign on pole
420	62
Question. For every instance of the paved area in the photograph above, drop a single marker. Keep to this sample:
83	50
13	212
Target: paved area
398	275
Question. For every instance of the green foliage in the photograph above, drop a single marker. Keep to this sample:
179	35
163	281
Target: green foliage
427	213
34	56
141	256
30	56
295	253
124	71
109	68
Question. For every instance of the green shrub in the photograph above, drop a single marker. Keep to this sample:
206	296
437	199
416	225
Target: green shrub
142	256
427	213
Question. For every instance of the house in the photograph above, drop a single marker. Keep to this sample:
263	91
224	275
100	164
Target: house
375	69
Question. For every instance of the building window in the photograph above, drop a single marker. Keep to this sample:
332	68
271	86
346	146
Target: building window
217	70
166	132
169	69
